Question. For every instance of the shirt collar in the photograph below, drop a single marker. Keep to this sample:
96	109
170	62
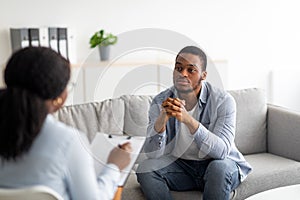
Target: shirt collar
203	93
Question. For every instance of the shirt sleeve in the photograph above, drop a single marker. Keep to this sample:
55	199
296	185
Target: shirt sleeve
155	143
108	180
82	181
216	143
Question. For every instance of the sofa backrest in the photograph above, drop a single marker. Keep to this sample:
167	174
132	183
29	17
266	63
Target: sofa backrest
251	120
128	114
106	116
136	114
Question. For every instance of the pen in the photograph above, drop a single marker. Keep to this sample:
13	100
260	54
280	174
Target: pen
128	138
126	146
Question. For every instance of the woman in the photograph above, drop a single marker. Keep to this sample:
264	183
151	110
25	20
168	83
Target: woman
35	149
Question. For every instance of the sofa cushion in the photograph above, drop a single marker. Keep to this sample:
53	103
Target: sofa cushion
283	132
106	116
269	171
251	120
136	114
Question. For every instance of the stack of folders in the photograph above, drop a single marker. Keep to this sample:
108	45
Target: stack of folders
60	39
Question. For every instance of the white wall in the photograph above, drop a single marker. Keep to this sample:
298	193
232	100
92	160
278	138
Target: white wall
254	36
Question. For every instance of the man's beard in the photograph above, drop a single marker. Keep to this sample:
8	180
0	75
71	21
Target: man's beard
184	91
188	90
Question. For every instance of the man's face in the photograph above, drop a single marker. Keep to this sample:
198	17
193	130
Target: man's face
187	75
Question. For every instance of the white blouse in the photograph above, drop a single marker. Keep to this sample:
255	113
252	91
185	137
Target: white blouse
60	159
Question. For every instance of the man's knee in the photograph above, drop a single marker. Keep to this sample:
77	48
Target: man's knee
221	169
218	165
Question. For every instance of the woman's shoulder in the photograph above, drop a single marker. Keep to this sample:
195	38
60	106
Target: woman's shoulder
59	135
56	127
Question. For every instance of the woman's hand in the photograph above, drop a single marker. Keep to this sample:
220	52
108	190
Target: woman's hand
120	155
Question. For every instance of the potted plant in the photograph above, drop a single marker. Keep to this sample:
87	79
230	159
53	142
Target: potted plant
103	41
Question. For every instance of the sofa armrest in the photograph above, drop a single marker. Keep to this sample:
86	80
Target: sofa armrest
283	132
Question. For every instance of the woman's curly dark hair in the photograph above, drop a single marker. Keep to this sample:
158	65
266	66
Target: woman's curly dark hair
32	75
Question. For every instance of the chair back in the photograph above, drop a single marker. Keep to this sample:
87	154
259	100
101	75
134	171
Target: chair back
29	193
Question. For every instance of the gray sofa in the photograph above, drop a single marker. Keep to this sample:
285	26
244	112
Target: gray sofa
267	135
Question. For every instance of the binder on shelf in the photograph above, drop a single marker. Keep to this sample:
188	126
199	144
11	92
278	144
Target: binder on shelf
34	37
53	40
44	37
62	37
71	45
62	40
19	38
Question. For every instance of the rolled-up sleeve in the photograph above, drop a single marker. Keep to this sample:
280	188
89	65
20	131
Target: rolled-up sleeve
155	142
83	183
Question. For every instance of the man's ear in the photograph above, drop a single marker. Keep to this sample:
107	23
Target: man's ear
203	75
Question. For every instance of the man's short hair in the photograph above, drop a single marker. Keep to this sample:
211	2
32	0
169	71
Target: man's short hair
195	51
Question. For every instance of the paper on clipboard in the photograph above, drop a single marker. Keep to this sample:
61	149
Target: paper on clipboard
102	145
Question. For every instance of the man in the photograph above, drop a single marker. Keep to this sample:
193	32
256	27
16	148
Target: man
191	131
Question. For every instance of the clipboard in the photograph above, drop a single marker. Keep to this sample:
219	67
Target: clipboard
102	145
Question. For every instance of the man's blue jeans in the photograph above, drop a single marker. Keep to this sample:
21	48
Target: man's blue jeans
215	178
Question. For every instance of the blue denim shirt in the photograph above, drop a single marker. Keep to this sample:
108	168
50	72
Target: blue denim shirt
215	134
60	159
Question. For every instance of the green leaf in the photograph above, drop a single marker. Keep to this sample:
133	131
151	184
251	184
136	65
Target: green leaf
101	39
